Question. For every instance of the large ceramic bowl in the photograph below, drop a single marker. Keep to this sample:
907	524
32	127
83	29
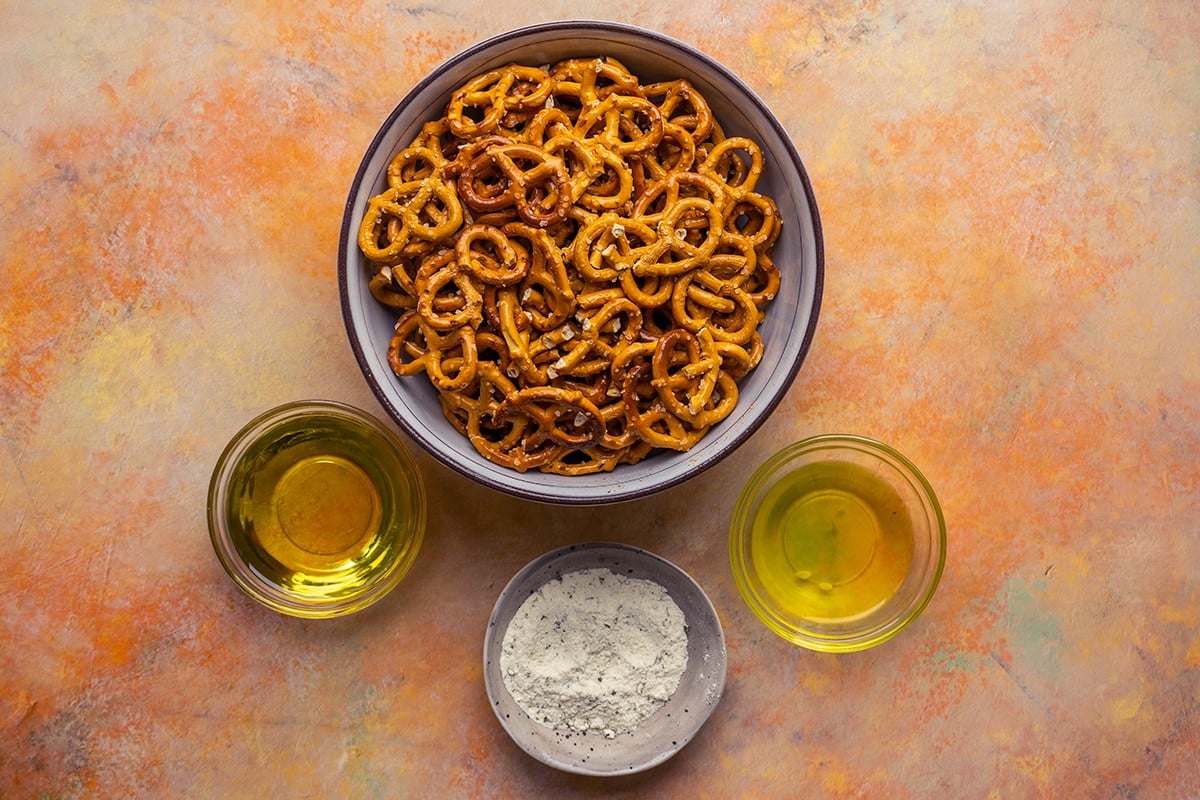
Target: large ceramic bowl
790	320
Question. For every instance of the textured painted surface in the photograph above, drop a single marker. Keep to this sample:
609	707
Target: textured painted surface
1011	201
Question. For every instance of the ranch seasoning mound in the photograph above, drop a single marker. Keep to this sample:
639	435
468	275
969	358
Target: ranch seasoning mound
594	651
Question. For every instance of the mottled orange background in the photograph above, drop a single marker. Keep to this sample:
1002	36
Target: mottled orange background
1010	195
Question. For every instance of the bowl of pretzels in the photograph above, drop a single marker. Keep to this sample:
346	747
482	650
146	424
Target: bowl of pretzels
580	263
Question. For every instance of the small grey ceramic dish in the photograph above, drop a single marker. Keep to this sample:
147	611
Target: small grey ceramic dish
786	331
666	731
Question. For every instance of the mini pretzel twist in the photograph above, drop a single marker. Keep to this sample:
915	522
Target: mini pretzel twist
492	95
680	103
447	298
426	209
625	124
592	79
490	256
652	422
538	183
561	419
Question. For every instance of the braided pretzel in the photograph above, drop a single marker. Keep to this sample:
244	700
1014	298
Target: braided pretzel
579	264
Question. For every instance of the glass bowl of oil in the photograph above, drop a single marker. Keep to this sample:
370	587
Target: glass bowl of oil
316	509
837	543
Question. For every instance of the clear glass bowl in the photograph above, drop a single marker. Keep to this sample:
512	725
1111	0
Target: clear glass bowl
837	543
315	509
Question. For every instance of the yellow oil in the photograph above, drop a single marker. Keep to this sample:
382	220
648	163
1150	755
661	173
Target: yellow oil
313	511
831	541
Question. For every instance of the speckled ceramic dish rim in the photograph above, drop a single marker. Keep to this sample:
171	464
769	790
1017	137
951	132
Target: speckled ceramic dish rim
799	253
667	730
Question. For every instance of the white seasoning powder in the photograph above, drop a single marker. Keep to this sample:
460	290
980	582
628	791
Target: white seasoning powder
594	651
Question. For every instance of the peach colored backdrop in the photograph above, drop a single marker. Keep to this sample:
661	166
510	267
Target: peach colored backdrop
1010	201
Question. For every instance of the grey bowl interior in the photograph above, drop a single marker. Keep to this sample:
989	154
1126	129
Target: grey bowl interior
790	321
664	733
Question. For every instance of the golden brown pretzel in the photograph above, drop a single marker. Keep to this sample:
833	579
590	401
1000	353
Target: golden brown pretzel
546	293
625	124
490	256
737	162
652	422
690	381
592	79
415	163
676	152
754	215
451	361
386	287
494	94
560	419
730	315
447	298
480	183
597	338
538	183
763	284
610	244
682	105
426	210
600	180
472	413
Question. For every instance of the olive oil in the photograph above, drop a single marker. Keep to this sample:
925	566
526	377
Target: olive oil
831	541
313	509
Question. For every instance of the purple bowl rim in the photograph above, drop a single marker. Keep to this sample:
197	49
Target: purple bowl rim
346	239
